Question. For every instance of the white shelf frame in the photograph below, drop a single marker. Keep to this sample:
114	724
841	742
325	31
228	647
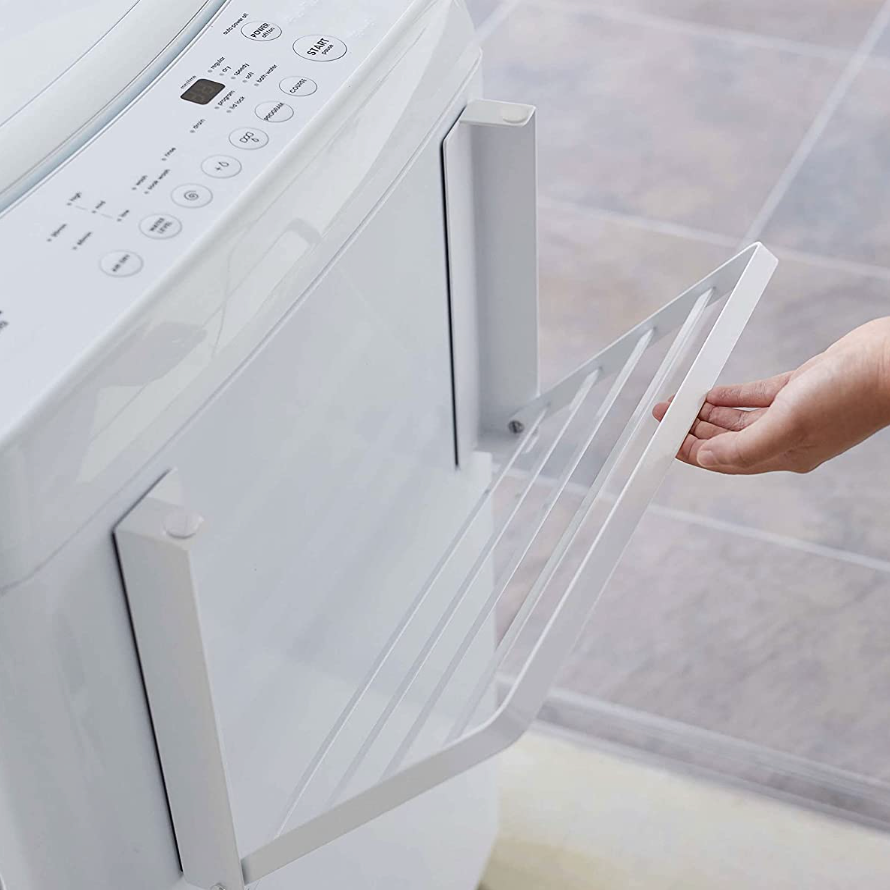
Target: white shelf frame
155	540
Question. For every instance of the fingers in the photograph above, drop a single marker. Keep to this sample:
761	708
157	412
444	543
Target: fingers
757	394
712	421
690	454
754	449
731	419
726	419
661	408
700	429
685	452
727	440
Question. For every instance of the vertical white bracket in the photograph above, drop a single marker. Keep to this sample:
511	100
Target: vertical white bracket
155	543
490	190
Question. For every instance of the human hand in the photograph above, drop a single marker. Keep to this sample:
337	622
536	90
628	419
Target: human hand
798	420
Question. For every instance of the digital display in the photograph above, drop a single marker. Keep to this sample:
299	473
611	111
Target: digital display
202	91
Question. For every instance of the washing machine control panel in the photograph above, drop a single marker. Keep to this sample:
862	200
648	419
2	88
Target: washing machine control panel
182	152
192	165
238	95
210	187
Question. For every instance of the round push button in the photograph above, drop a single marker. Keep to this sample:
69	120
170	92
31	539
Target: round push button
120	263
320	48
248	138
161	225
515	114
221	166
192	196
261	31
274	112
298	86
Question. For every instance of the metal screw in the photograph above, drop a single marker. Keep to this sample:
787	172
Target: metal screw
217	887
516	427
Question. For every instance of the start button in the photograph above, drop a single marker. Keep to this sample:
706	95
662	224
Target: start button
320	48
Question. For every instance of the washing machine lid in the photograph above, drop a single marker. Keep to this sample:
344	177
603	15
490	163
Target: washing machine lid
67	66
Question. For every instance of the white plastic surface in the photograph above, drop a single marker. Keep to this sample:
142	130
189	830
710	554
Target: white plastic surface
311	551
114	366
62	63
491	198
41	41
58	235
233	331
153	546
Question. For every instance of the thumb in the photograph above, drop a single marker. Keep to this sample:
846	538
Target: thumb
747	450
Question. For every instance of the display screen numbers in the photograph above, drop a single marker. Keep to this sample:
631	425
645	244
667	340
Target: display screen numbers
202	91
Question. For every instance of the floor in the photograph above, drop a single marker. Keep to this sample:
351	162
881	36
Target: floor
576	819
671	133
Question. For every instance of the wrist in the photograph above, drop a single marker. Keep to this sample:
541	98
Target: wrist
884	372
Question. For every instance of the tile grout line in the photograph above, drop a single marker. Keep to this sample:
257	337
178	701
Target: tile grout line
592	705
663	227
787	541
679	230
760	790
819	124
835	263
658	727
744	531
693	28
506	8
699	29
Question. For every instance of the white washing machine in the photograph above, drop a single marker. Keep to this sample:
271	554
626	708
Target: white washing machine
268	408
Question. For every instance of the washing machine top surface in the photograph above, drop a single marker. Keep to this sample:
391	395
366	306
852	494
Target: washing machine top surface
63	63
42	42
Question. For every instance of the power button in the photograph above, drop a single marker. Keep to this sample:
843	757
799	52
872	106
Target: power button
192	196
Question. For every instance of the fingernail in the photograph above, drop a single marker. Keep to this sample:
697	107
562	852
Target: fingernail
706	458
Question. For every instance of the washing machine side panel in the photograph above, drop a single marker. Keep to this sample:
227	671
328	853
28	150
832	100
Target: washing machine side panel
81	802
